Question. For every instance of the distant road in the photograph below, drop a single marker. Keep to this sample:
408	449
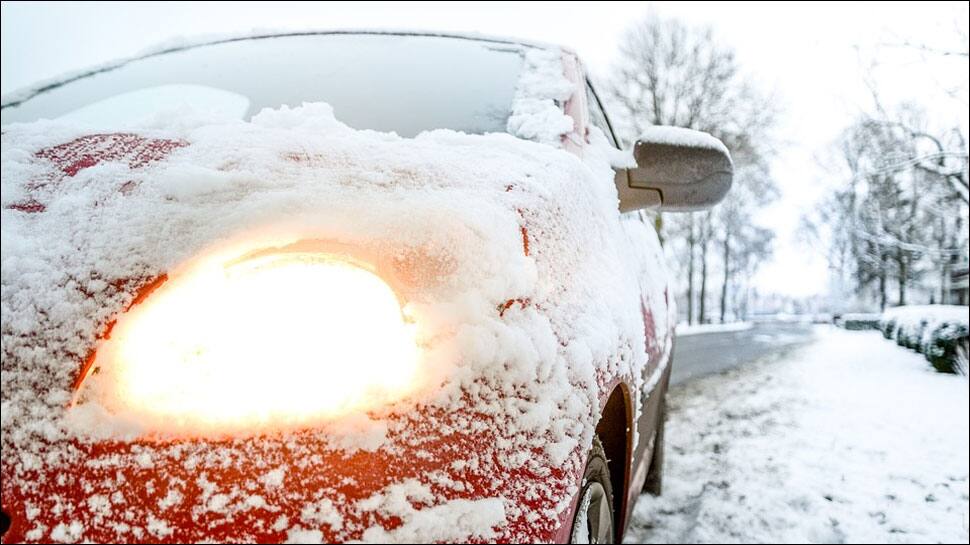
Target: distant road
705	353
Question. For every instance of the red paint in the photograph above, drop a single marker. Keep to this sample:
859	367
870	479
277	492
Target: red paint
351	477
90	150
29	206
523	302
87	151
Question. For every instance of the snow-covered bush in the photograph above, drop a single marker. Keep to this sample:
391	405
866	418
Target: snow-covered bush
888	327
940	332
910	333
942	347
858	322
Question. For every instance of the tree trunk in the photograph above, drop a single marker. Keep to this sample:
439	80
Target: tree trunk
944	262
944	274
691	242
744	302
901	262
883	295
703	317
727	274
882	292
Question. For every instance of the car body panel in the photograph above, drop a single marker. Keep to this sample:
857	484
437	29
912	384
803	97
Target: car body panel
241	489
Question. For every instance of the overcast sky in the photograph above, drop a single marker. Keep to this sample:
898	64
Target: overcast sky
812	56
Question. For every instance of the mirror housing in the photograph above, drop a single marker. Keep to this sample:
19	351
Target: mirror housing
678	170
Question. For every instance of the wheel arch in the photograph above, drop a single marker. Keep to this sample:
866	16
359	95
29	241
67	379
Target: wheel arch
615	431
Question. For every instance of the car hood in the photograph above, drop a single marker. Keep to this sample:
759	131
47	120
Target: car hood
503	248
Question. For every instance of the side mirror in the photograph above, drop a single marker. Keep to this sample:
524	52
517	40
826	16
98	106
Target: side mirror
678	170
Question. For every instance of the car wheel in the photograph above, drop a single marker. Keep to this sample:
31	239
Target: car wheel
594	520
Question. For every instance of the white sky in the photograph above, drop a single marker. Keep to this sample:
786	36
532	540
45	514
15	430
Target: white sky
810	55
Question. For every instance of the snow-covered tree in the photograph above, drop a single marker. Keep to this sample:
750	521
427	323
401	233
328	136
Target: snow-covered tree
899	217
670	73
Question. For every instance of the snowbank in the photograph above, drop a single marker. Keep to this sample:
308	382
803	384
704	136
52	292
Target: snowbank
850	440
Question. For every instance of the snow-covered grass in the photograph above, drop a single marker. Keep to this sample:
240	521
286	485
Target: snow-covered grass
848	440
684	328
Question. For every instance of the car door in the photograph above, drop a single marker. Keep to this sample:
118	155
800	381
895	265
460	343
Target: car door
655	303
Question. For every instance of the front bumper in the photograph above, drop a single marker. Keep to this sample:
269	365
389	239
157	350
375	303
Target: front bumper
461	467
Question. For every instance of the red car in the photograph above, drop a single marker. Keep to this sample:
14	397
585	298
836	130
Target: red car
323	287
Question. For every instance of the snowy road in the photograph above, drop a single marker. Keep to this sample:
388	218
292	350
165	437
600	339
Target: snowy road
707	353
848	439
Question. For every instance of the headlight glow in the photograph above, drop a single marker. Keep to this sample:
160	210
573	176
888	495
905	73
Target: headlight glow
284	339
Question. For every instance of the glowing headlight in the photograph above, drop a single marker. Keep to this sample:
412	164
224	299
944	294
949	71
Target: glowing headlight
280	339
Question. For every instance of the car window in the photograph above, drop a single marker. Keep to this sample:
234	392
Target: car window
386	82
146	101
597	116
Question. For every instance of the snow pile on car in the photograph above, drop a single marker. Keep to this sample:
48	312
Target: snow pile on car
509	248
536	111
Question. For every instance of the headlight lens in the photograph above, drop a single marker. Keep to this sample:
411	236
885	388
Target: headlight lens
284	339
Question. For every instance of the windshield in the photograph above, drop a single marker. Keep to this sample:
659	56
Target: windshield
401	83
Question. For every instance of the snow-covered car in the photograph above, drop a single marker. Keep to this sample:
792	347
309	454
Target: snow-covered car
228	316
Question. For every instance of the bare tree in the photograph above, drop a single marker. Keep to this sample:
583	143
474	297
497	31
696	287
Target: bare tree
901	215
893	224
670	73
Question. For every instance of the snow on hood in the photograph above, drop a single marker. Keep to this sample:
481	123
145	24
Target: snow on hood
289	175
516	293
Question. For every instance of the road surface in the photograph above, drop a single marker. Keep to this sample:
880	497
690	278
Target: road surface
702	354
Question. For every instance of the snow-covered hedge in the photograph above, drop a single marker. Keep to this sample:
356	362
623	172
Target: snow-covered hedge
940	332
888	327
858	321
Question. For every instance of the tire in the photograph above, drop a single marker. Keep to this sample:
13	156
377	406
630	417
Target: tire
655	475
594	520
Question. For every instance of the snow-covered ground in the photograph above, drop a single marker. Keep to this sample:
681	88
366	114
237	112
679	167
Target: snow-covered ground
851	439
